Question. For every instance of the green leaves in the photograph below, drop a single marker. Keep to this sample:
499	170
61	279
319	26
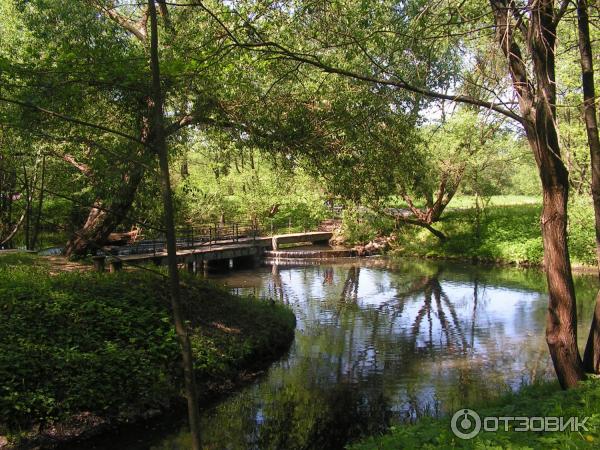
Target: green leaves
534	401
105	344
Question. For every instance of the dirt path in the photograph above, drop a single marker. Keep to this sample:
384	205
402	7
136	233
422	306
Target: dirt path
59	264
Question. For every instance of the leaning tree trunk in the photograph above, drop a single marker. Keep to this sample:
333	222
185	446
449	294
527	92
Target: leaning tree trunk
104	218
38	216
591	356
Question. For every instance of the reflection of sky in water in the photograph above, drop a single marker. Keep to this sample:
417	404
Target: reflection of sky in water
376	344
507	311
417	337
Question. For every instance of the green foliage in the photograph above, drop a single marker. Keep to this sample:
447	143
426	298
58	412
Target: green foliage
468	149
243	185
524	179
582	243
533	401
509	232
361	226
104	343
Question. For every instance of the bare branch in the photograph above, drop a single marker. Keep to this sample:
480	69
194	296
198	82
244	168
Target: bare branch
82	167
137	28
561	11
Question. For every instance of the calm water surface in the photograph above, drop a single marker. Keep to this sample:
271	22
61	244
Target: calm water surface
379	342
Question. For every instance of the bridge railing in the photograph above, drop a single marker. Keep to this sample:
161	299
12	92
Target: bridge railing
195	236
191	237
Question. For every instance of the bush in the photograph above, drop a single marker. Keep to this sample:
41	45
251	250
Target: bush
582	232
104	343
362	226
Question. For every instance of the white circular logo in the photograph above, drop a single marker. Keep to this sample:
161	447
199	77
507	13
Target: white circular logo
465	424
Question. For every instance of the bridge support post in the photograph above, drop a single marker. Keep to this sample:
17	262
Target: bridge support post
115	265
99	263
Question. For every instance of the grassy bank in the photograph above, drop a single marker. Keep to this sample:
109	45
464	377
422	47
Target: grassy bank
83	349
506	231
544	400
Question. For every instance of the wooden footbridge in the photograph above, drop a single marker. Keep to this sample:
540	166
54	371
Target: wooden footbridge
221	247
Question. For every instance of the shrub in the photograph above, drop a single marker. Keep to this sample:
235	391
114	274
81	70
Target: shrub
104	343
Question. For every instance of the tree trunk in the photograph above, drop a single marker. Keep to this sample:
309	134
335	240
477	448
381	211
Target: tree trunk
437	233
561	321
7	188
591	356
28	196
537	103
38	216
104	218
160	145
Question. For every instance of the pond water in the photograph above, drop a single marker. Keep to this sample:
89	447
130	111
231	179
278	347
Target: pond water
380	342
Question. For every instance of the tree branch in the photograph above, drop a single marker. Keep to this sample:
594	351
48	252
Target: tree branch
83	168
561	11
521	24
138	29
72	119
309	59
192	119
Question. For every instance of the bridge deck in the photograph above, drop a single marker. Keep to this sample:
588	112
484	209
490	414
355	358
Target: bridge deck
228	249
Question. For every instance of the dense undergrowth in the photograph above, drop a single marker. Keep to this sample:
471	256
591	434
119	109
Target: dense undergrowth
104	344
506	231
542	400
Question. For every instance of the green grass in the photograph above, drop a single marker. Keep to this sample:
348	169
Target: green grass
509	232
12	260
104	343
468	201
543	400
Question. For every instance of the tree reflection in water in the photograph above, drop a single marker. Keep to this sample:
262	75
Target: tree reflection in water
384	342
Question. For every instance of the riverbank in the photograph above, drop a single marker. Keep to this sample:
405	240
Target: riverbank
504	233
85	352
541	400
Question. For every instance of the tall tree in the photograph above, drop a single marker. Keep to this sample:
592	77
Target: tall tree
159	143
591	357
536	95
53	64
